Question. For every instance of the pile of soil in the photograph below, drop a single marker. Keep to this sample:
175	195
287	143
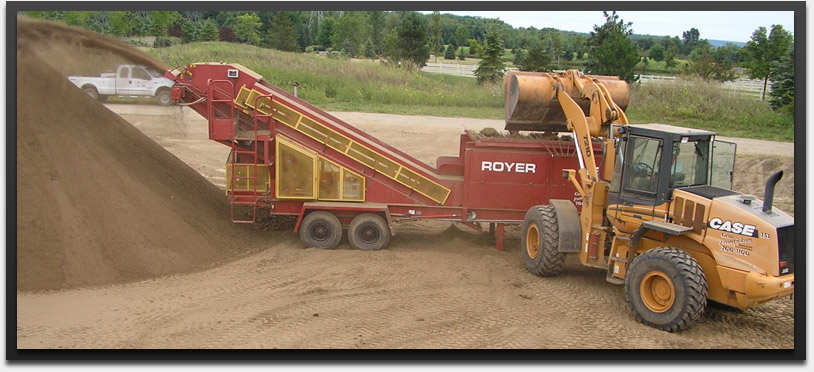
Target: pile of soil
99	202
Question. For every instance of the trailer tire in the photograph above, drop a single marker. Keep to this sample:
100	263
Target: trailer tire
539	242
91	91
321	229
368	232
164	97
666	288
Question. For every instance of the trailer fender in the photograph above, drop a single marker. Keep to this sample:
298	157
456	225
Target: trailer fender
568	222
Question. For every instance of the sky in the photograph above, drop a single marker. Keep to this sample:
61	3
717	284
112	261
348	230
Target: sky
715	25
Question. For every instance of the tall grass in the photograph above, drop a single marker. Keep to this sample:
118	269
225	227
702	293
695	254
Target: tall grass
341	84
697	104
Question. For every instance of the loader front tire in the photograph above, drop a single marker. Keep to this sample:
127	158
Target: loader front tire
539	242
321	230
368	232
666	288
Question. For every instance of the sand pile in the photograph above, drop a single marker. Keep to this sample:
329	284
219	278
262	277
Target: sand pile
98	202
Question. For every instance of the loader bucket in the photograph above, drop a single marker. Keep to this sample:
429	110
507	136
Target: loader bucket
531	103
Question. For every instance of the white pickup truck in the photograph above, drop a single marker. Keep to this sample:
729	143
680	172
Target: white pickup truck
129	80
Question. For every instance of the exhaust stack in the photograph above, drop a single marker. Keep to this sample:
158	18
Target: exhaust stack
768	195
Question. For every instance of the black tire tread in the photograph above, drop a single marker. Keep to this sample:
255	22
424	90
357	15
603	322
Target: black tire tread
331	219
696	286
368	218
551	261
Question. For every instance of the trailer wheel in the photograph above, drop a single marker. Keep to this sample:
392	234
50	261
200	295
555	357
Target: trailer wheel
539	242
666	288
321	230
164	97
368	232
91	91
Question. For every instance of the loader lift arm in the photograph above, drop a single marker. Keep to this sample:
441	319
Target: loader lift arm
603	112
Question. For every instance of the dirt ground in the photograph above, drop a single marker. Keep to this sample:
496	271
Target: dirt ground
437	285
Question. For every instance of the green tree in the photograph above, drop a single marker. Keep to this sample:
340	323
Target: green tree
435	33
491	68
612	52
247	28
475	48
537	59
730	53
120	23
391	50
460	54
349	32
412	37
670	55
690	40
461	35
782	74
369	50
326	32
281	35
656	53
556	45
377	22
704	66
450	52
208	31
761	51
159	22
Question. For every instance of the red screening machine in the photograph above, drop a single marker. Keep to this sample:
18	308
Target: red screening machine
295	159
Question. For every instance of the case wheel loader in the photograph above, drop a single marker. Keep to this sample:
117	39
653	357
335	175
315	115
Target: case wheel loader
660	217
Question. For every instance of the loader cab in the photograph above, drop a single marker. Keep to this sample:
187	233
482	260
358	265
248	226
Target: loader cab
651	163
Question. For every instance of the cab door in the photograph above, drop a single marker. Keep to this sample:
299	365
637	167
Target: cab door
723	164
633	195
124	81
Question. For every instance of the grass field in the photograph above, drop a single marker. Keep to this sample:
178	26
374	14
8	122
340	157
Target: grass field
349	85
359	85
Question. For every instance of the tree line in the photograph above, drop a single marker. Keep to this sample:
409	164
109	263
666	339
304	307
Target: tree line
407	39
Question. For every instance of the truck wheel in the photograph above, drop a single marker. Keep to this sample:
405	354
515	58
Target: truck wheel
368	232
666	288
164	98
539	242
91	91
321	230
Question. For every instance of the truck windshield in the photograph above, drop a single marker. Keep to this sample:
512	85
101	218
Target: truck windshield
690	163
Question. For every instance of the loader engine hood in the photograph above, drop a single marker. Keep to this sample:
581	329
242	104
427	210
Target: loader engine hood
736	227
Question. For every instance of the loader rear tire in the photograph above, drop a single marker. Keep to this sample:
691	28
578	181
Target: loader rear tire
539	242
321	230
368	232
666	288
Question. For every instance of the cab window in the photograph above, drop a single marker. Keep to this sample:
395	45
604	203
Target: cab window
641	173
139	73
689	163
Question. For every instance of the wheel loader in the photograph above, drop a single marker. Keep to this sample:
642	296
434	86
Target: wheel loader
658	214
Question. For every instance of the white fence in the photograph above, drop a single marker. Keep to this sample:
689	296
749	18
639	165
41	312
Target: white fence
453	69
748	87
